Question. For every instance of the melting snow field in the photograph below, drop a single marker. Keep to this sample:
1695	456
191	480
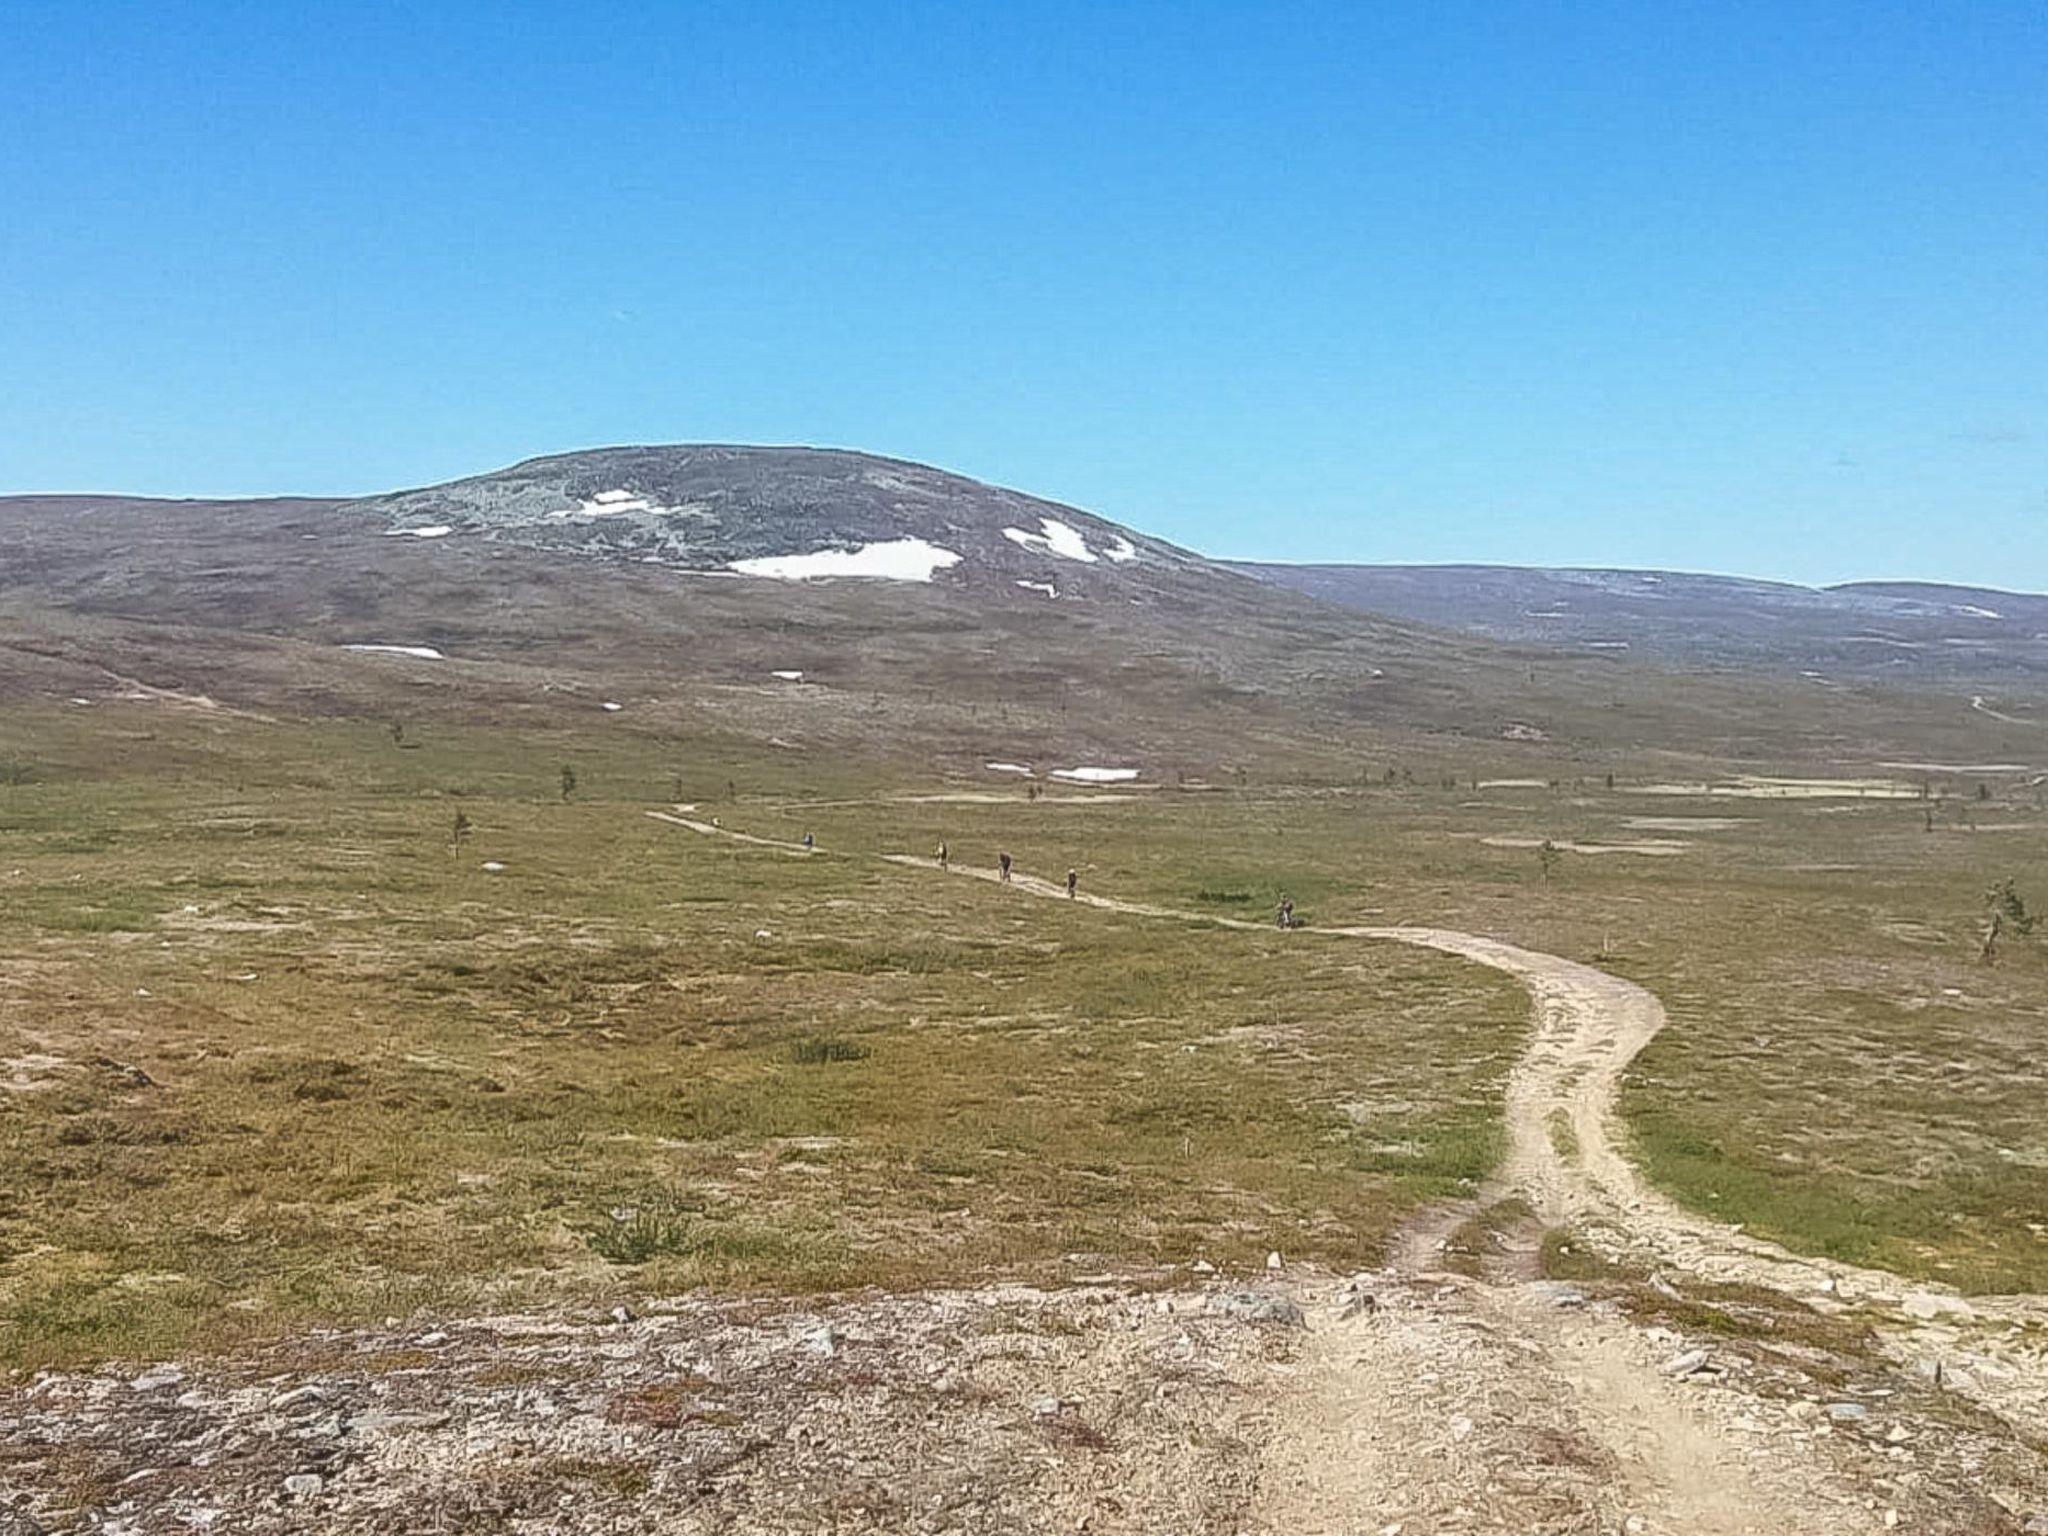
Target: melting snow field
1040	586
613	504
1096	775
1056	538
888	560
788	677
1007	768
1122	550
438	531
418	652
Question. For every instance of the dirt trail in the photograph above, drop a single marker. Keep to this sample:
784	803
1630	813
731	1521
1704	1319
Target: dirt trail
1429	1422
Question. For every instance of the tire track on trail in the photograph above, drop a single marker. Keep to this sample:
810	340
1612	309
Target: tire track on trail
1587	1028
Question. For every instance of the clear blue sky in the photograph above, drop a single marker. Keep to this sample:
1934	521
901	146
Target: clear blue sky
1745	287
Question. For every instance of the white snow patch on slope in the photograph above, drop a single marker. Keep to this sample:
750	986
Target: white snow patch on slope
788	677
610	707
889	560
418	652
612	504
1007	768
1056	538
1096	775
1040	586
438	531
1979	613
1123	549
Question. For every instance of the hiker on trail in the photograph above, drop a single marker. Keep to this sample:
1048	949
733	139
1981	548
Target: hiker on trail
1002	866
1286	911
942	856
809	842
1073	879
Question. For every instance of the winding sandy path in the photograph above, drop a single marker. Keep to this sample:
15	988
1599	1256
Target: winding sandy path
1668	1459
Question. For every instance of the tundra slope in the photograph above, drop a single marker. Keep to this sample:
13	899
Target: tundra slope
658	578
1901	634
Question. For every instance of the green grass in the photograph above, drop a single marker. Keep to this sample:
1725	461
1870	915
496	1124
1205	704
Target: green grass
383	1078
387	1078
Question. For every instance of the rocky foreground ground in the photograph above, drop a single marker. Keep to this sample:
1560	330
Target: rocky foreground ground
1184	1403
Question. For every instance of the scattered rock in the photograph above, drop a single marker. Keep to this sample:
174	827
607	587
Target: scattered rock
303	1485
1258	1307
298	1397
1848	1413
157	1377
622	1314
822	1340
1273	1260
1687	1364
1357	1299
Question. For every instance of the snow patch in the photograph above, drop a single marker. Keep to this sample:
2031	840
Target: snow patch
417	652
437	531
492	866
1096	775
1040	586
1606	645
1122	550
788	677
888	560
1007	768
1056	538
1979	613
614	504
610	708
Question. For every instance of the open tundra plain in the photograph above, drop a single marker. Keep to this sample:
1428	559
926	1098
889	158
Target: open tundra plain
442	1090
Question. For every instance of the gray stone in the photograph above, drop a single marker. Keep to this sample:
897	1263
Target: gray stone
1689	1362
303	1485
1258	1307
1848	1413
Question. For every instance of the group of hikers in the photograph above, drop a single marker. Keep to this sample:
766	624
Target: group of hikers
1004	865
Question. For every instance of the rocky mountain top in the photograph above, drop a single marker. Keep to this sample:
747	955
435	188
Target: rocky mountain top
790	513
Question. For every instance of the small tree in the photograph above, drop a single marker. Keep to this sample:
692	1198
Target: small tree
460	830
568	782
1547	855
2005	912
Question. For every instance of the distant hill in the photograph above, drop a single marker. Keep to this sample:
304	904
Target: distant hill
818	600
1905	633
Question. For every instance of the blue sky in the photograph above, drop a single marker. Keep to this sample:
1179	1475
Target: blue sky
1759	288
